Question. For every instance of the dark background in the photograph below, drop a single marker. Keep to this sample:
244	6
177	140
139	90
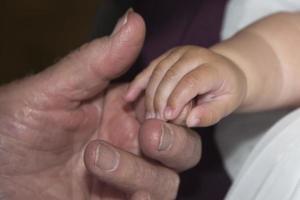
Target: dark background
36	33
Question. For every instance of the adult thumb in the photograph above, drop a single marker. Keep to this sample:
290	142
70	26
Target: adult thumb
88	70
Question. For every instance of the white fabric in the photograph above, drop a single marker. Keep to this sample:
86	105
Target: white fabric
241	13
238	134
272	171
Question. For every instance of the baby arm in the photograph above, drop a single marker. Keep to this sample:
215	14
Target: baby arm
268	54
257	69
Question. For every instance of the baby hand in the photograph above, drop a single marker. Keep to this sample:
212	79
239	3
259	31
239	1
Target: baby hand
190	85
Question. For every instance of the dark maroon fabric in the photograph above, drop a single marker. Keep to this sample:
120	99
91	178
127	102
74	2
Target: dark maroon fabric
172	23
178	22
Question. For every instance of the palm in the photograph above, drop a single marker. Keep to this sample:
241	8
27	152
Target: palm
53	146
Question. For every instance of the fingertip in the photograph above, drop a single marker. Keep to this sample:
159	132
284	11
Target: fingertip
132	93
129	97
204	115
169	113
170	144
174	107
172	112
193	121
194	118
129	20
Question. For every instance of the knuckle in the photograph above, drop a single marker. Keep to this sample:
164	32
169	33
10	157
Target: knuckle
157	72
162	65
171	74
172	51
200	52
190	81
192	50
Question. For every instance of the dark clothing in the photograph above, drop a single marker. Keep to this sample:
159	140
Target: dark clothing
172	23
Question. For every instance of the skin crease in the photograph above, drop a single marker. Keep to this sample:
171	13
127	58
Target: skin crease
44	134
51	125
201	86
187	73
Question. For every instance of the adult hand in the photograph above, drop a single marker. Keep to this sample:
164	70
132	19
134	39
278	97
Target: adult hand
168	145
47	120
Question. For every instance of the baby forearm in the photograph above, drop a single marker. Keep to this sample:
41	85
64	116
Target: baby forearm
268	52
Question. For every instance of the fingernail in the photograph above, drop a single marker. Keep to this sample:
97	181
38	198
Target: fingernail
158	116
150	115
168	113
122	21
107	158
166	139
193	122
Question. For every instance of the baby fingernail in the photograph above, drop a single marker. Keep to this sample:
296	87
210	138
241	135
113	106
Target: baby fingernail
107	158
158	116
168	113
150	115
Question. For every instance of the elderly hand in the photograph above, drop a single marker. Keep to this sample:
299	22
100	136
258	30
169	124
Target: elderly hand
62	138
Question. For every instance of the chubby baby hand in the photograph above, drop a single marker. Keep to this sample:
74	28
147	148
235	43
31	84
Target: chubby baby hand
191	86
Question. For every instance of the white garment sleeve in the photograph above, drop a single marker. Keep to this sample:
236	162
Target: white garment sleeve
241	13
237	135
272	171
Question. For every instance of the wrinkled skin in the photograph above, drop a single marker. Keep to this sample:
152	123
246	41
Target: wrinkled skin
52	122
46	122
46	147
